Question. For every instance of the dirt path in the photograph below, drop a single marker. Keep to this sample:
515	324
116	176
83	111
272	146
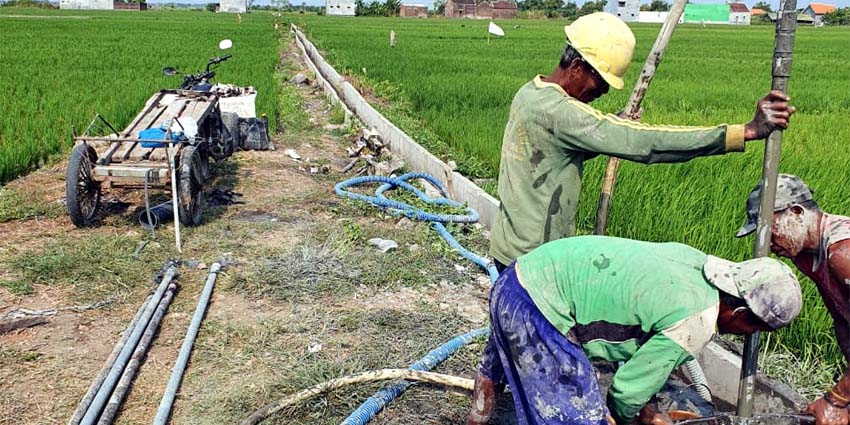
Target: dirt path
307	299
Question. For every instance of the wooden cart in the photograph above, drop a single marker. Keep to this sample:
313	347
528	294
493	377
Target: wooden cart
131	162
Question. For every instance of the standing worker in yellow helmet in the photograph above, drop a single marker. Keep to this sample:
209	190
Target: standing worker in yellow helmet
552	130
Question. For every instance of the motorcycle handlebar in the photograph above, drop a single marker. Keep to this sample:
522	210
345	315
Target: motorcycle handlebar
216	61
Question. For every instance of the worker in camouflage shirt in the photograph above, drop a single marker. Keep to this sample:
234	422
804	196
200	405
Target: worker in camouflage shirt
650	305
819	245
552	131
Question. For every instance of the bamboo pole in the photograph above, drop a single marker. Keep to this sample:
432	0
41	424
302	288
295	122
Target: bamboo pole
786	25
360	378
632	109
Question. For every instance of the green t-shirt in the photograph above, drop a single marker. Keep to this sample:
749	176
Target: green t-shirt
548	137
648	304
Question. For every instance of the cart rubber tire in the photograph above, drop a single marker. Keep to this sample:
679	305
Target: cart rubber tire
190	187
205	162
82	192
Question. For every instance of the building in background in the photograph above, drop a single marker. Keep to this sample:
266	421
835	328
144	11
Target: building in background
120	5
500	9
86	4
413	11
739	14
699	13
817	10
802	18
627	10
460	9
483	10
340	7
233	6
503	9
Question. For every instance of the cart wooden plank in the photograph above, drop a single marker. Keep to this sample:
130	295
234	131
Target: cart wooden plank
138	172
195	107
160	108
169	106
149	106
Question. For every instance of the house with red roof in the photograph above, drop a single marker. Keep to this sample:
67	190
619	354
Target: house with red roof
739	14
817	10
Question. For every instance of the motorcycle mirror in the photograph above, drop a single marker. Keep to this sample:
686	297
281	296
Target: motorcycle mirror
168	71
225	44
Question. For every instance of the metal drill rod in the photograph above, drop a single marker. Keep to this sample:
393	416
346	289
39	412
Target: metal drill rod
786	25
632	108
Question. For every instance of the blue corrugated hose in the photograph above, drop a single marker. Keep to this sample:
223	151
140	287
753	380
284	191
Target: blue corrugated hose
374	404
411	212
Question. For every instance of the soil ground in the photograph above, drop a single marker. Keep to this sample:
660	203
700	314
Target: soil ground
306	298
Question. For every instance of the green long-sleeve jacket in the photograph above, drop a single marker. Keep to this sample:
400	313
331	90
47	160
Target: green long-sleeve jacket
548	137
647	304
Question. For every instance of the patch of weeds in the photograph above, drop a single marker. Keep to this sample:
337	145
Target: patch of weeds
17	287
354	341
352	230
17	205
96	266
292	115
10	356
809	375
337	115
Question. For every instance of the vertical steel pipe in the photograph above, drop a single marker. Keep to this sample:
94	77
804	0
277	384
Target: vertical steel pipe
786	25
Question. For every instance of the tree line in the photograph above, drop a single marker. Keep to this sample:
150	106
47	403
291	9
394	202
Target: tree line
376	8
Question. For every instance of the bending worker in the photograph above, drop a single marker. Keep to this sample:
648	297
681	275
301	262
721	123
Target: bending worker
819	244
652	305
551	131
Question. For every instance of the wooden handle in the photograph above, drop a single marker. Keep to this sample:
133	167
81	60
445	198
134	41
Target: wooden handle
632	108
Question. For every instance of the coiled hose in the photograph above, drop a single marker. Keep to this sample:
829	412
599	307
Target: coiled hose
413	213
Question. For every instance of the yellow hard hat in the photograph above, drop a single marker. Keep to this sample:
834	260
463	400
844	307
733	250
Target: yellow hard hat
605	42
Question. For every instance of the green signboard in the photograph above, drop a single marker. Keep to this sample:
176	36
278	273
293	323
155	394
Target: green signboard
707	13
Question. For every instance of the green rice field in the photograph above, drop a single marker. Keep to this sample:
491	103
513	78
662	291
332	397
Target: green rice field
59	68
460	87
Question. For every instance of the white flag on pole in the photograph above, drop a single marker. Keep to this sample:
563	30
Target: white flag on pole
496	30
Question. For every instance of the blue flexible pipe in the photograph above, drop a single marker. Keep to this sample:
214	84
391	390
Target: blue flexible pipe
404	209
377	402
